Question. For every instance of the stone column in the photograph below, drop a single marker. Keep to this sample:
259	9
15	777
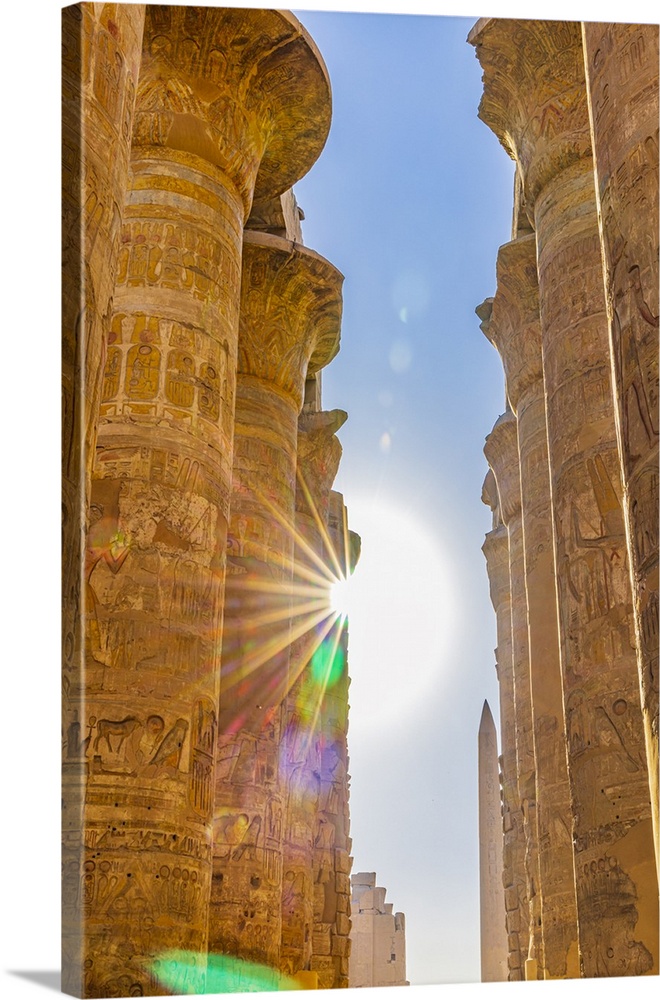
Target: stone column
289	326
332	844
496	551
621	62
501	450
316	666
102	45
229	102
535	101
491	893
513	326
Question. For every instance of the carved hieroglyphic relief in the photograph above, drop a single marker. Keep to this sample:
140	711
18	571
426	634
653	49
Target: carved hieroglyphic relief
100	63
496	551
501	450
228	104
289	327
621	63
513	326
535	100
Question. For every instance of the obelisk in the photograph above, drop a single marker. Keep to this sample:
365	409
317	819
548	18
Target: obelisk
491	894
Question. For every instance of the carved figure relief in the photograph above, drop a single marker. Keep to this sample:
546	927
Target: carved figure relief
608	939
138	748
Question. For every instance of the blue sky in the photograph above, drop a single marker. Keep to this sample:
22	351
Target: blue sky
410	199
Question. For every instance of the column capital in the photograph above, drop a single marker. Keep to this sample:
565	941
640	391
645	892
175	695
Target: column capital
534	96
319	455
246	90
496	551
512	324
490	497
290	312
501	451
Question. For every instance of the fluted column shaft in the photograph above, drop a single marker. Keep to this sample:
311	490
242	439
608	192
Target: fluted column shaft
514	328
501	450
621	63
102	47
532	70
160	498
289	324
496	551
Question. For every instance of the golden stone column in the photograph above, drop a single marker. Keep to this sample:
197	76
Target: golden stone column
229	102
621	62
102	46
513	326
501	451
317	665
535	101
332	902
496	551
289	328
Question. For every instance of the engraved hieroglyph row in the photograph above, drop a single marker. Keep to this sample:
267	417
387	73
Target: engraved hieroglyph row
215	107
535	100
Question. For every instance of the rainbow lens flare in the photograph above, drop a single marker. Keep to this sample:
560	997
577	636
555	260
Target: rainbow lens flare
181	972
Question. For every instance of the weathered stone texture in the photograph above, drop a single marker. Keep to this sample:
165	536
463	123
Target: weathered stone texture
501	450
378	937
100	64
177	769
289	326
621	63
310	843
496	551
535	99
513	326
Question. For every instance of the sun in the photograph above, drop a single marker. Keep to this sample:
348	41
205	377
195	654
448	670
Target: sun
340	596
399	606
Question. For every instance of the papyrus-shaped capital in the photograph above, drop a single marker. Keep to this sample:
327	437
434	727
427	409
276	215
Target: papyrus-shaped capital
534	98
290	312
246	90
514	325
501	451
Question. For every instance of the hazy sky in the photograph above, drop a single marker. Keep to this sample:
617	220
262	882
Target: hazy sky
410	199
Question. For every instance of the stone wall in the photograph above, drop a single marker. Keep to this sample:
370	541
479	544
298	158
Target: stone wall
378	936
205	764
574	318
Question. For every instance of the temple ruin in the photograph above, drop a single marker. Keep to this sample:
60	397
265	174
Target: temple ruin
205	785
378	936
573	486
